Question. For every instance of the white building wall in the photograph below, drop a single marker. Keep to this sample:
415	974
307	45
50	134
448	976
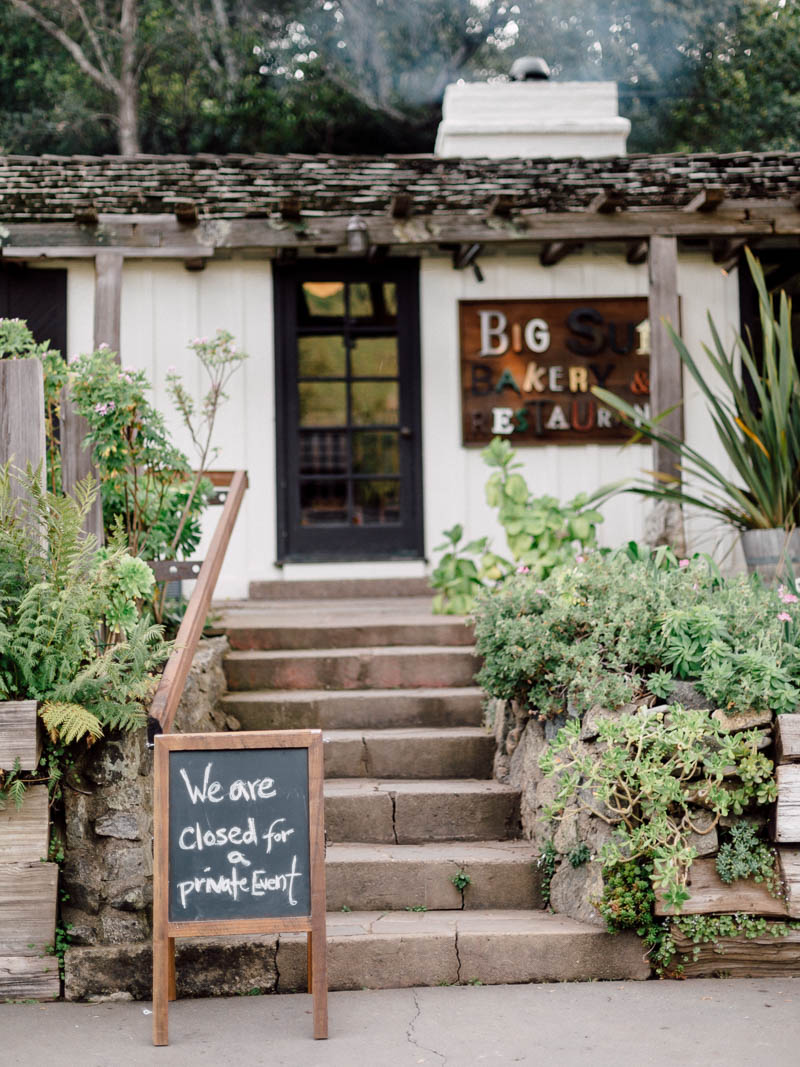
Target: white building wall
164	306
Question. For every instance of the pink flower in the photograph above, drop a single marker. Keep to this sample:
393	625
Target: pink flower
172	369
580	559
101	409
103	347
683	563
784	616
541	592
789	598
75	358
522	569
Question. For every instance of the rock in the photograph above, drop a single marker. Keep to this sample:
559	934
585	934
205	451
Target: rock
122	824
742	720
117	927
704	843
574	891
685	693
205	968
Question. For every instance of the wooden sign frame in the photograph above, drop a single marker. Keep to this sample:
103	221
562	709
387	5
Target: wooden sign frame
165	931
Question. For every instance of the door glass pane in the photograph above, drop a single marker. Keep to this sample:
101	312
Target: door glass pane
374	356
375	453
323	502
321	357
323	403
323	452
373	302
321	300
376	503
373	403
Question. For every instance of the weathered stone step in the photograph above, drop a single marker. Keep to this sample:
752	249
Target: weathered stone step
353	709
248	632
454	752
406	667
374	950
412	812
338	588
503	874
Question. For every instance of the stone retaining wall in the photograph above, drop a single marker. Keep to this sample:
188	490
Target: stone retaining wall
108	870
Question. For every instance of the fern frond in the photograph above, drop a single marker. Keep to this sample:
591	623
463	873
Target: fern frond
16	792
69	722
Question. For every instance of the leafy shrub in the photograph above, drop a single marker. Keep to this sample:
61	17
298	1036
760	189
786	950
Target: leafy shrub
646	775
607	629
541	534
71	635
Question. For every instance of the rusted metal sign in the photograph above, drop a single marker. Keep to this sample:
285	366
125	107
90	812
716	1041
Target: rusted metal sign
528	366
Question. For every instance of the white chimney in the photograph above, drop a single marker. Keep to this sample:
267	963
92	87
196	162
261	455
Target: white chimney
531	119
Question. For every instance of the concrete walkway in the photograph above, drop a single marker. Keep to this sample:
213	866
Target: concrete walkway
739	1023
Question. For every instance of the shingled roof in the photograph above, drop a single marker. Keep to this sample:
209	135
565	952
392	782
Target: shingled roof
52	188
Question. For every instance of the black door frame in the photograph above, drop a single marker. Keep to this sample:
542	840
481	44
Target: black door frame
295	544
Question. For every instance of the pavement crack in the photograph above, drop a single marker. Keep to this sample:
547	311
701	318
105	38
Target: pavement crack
410	1034
458	959
393	798
366	762
277	970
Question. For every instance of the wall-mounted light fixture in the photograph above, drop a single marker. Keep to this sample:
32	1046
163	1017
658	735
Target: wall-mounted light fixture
357	236
467	256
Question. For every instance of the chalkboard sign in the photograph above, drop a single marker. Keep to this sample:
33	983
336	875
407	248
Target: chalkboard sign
239	848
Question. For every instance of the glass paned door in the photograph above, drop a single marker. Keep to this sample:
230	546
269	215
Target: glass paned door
349	442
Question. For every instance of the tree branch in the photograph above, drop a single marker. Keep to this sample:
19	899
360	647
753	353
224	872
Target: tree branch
74	49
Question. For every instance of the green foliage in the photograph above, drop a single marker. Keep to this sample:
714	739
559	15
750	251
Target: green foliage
145	478
63	940
461	880
660	684
647	773
602	631
761	439
627	904
579	855
744	855
541	535
416	907
707	929
456	575
547	865
70	634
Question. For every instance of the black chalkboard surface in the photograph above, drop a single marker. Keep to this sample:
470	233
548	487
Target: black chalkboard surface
238	834
238	848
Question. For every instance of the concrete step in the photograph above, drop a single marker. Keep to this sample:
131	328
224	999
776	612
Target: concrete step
398	812
503	874
374	950
335	589
405	667
453	752
354	709
395	950
273	630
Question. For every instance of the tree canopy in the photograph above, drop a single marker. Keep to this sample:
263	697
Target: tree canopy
367	76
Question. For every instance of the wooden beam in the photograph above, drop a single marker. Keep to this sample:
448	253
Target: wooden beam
87	215
186	212
400	206
637	252
709	895
76	462
554	251
107	299
195	263
787	739
290	208
726	251
786	824
666	379
22	432
20	736
175	570
707	200
607	202
501	205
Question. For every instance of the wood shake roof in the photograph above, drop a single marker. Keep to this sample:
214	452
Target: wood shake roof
57	188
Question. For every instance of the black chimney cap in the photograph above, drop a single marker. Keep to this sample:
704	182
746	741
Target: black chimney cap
529	68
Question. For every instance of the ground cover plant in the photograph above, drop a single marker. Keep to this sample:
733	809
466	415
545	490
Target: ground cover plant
627	635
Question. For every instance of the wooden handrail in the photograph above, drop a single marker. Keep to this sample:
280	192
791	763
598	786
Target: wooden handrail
170	688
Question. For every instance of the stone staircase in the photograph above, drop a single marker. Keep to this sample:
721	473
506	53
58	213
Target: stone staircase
410	802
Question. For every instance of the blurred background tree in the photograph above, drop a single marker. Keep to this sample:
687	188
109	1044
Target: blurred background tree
367	76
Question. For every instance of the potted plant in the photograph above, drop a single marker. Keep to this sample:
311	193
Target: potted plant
761	437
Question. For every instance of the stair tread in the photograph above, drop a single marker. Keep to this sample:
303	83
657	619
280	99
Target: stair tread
341	653
366	786
455	851
435	923
300	696
407	733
